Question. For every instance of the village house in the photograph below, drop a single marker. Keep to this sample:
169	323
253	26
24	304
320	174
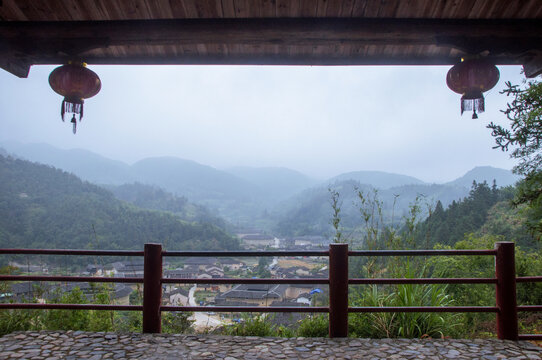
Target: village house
252	294
231	264
126	269
214	271
177	297
43	292
258	241
200	262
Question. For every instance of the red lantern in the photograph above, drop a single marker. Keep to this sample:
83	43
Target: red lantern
471	78
75	82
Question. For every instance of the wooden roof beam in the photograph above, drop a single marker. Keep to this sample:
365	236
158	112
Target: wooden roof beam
25	42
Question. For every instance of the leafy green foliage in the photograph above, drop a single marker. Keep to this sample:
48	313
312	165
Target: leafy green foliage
461	217
525	132
252	326
68	319
41	206
336	215
406	325
177	322
314	326
262	269
154	198
525	135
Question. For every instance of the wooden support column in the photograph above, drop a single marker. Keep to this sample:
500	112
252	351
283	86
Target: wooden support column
338	290
505	271
152	289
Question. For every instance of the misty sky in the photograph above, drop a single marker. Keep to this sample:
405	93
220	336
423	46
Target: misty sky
321	121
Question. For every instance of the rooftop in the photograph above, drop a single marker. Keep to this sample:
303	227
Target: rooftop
333	32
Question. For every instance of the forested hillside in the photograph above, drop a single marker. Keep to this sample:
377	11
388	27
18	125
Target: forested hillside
42	207
486	211
155	198
310	212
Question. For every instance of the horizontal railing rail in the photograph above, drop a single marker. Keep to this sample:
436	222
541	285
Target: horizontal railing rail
72	307
54	278
256	309
245	281
410	309
396	281
73	252
421	252
505	281
251	253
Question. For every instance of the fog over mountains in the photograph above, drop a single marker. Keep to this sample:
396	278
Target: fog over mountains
255	197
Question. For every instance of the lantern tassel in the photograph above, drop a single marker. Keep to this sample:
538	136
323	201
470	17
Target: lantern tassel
62	109
474	104
74	106
74	122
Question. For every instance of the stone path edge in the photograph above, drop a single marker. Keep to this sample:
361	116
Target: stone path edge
96	346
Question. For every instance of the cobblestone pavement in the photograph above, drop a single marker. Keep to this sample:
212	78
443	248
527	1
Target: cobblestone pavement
95	346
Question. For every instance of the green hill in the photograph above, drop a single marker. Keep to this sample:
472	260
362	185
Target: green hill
485	211
155	198
42	207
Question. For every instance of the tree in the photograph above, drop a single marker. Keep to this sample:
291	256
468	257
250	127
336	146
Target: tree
525	135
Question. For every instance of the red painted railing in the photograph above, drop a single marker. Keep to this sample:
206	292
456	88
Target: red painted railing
505	281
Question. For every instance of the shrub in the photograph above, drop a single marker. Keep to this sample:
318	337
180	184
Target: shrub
314	326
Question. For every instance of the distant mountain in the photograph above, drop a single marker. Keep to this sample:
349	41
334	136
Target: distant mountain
82	163
42	207
309	212
486	173
246	196
277	182
377	179
232	197
240	199
189	178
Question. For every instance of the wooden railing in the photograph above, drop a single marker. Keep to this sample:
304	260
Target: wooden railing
505	280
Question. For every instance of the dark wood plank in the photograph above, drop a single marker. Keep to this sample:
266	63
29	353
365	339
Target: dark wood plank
321	7
251	41
307	8
347	8
190	9
177	9
228	9
246	8
532	10
263	30
283	8
333	8
372	8
10	11
94	9
269	8
208	8
160	9
358	10
388	8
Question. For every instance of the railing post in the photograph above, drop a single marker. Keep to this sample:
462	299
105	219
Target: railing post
338	290
152	289
505	272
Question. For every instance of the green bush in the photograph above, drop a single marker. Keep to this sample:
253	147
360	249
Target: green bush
314	326
252	326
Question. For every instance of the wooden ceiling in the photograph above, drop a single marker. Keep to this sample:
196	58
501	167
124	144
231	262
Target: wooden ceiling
309	32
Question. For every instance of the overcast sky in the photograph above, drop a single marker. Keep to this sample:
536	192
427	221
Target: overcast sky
321	121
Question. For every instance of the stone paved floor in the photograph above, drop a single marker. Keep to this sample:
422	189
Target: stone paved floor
95	346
